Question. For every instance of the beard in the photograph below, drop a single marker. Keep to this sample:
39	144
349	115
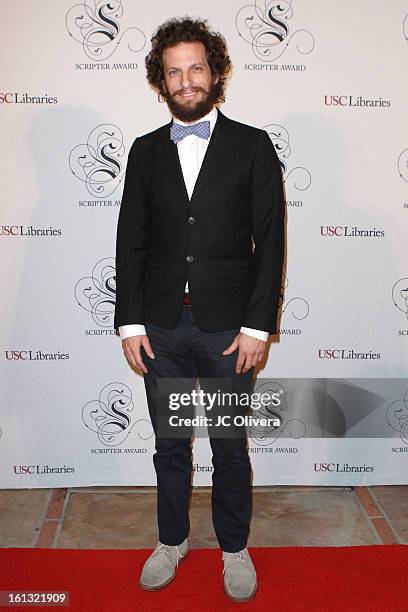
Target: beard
193	112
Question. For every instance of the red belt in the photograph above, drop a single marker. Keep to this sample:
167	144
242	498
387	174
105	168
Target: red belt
187	301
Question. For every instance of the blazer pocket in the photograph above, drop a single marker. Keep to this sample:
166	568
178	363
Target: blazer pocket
233	278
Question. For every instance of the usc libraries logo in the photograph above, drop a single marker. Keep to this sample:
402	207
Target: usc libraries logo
341	467
356	101
16	97
34	355
30	470
348	231
29	230
333	353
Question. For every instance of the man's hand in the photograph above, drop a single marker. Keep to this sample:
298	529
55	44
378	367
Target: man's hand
131	348
251	351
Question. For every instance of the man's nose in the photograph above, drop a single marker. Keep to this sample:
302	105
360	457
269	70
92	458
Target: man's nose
185	80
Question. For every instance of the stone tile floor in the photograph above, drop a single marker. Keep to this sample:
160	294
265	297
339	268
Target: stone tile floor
125	517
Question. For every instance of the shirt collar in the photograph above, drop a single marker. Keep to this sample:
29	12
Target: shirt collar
211	117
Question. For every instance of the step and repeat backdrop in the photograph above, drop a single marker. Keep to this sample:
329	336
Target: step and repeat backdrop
327	81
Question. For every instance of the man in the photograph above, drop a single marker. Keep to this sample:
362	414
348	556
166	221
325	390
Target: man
200	244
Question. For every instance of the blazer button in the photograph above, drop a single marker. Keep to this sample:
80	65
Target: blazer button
189	258
191	220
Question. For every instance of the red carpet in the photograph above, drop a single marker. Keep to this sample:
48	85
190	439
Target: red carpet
290	579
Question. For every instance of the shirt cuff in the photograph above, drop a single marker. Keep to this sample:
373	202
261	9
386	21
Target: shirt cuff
255	333
126	331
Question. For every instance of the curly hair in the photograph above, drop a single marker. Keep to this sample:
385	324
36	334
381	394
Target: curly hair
186	29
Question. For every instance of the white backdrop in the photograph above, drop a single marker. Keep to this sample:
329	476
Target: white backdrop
327	80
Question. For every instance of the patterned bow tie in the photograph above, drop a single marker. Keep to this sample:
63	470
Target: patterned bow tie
178	131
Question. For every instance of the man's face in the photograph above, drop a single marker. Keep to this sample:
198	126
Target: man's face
189	84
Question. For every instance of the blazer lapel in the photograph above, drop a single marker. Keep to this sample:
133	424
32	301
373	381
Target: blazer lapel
169	162
214	159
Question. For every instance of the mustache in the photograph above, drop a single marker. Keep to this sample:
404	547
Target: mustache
190	90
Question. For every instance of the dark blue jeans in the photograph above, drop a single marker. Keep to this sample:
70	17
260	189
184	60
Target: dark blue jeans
188	352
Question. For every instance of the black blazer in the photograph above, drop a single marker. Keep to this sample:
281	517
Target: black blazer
163	239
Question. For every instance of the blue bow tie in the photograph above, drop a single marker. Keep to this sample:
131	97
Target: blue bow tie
178	131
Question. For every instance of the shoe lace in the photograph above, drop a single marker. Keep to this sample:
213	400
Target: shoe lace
165	548
239	556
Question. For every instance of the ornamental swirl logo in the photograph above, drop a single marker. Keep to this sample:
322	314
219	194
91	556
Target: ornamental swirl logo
397	417
98	163
97	29
300	177
264	436
402	165
400	295
97	293
297	307
111	416
266	29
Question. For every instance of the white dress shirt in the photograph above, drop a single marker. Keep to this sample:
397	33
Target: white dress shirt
191	151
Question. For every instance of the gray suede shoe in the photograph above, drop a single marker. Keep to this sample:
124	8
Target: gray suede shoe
160	568
240	582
